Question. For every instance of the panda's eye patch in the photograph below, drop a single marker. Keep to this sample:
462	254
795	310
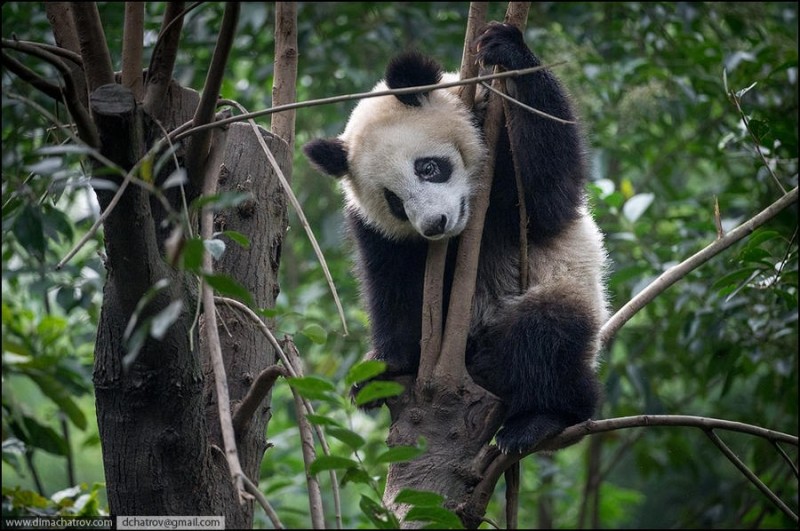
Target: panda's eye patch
433	169
395	205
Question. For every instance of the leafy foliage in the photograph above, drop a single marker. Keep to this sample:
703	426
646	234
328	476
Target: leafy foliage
657	85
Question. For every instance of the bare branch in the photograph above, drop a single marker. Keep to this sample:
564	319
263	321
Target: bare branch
253	489
162	62
433	288
303	221
83	122
27	75
94	49
361	96
255	395
212	333
309	453
451	363
528	108
59	14
750	475
498	463
132	43
285	77
675	273
198	149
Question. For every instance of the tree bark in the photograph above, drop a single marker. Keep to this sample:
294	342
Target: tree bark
158	425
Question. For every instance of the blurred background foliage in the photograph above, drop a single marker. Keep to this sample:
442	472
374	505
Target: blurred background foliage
666	144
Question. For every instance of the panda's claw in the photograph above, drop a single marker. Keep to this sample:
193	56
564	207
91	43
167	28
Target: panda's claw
521	433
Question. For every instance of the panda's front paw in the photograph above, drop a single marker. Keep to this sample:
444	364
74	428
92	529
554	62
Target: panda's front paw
502	45
523	432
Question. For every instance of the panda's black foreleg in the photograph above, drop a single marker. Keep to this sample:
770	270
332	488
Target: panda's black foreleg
537	359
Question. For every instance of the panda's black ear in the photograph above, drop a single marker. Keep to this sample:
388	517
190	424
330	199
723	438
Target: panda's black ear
328	155
412	69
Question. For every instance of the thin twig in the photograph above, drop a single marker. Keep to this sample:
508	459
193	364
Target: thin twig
675	273
253	489
309	452
515	101
212	333
83	122
32	78
727	452
361	96
287	188
756	142
498	462
295	373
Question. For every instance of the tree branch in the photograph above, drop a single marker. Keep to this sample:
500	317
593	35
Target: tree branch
198	149
132	45
212	333
497	463
433	289
361	96
94	50
255	395
675	273
30	77
451	365
83	122
162	62
285	77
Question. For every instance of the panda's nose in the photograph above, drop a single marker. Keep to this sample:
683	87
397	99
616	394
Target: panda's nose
436	227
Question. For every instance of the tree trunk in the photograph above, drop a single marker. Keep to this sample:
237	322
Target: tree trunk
159	431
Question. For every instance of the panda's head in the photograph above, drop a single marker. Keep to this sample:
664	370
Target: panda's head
409	163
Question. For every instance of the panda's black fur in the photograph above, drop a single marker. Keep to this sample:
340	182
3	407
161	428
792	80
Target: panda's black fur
535	350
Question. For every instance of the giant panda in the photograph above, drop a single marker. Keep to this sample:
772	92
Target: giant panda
409	165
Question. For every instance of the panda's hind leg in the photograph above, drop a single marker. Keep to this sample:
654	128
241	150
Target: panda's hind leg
538	357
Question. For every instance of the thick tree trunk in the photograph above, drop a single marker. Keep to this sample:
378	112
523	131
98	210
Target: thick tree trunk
160	437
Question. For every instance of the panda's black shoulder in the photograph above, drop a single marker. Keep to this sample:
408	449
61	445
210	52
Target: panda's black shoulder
412	69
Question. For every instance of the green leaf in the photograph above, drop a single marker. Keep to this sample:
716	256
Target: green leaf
399	453
364	370
312	386
228	287
193	254
355	475
315	333
28	230
215	247
322	420
377	390
56	392
238	237
176	178
419	498
350	438
378	514
37	435
331	462
437	518
164	319
222	200
636	206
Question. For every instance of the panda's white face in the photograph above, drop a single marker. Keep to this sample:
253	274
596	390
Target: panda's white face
406	182
412	170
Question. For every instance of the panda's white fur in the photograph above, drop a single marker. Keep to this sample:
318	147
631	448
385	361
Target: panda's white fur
384	137
536	349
